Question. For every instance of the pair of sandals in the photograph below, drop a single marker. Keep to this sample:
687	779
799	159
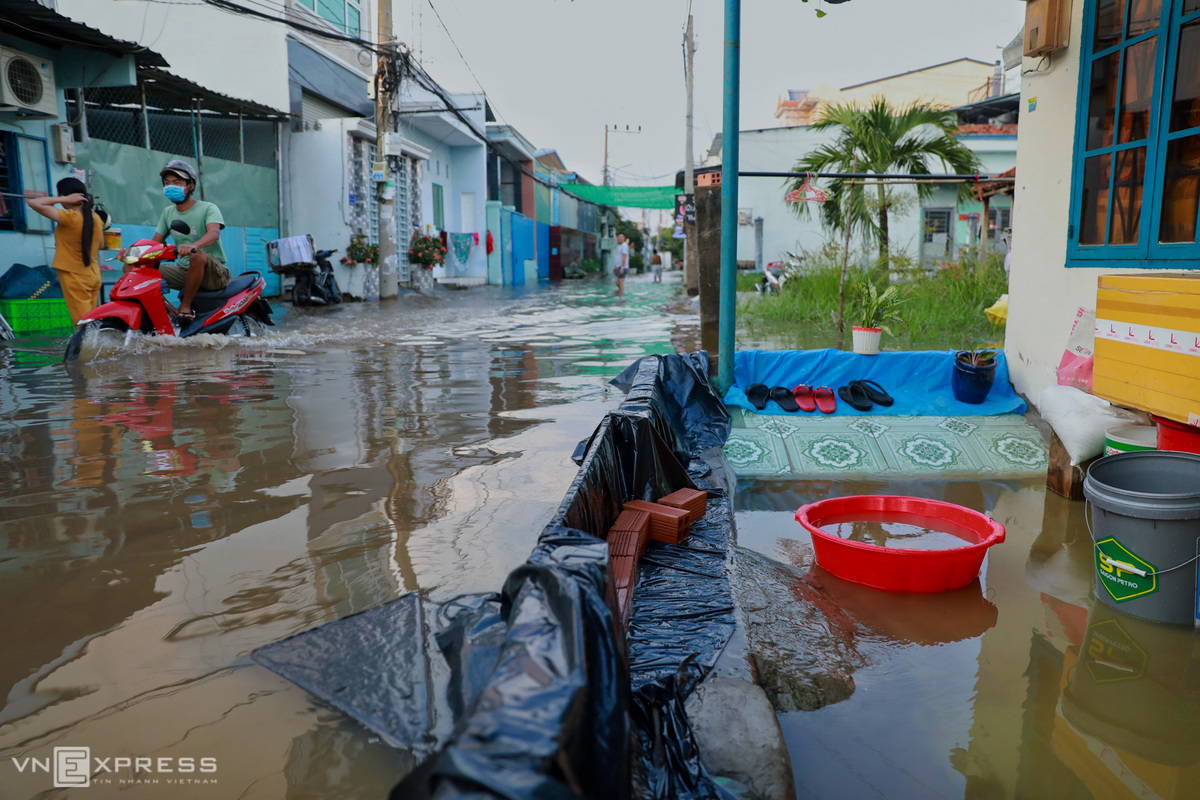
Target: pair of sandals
801	398
862	395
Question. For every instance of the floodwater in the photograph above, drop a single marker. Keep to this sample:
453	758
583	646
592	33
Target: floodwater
1022	685
167	510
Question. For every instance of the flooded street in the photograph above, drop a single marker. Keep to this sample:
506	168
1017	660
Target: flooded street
170	509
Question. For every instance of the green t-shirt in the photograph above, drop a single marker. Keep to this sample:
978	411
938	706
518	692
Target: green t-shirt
198	218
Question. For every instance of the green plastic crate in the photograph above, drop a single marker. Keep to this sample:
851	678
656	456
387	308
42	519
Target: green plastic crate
35	316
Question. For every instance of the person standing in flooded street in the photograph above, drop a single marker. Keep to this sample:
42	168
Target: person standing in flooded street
77	236
621	270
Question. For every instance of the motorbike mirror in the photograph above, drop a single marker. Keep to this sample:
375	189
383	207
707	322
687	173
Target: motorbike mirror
179	226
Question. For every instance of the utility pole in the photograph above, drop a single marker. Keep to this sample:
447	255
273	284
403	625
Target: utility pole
385	87
691	280
615	129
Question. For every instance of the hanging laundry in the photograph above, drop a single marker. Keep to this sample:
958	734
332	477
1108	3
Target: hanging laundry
491	245
462	243
475	238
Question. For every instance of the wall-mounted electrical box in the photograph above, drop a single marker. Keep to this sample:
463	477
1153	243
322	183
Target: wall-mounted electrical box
1047	26
64	143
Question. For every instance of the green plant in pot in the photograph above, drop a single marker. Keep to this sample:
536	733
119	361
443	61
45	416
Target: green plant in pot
974	372
875	309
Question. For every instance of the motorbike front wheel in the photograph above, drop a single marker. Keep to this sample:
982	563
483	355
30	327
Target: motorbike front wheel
86	330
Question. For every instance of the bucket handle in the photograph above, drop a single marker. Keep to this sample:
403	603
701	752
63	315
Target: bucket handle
1087	507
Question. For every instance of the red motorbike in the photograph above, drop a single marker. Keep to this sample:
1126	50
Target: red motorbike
138	305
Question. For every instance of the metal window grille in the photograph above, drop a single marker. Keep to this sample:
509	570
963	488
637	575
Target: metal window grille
372	199
359	217
404	229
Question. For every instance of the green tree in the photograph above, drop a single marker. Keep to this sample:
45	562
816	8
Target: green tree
667	243
881	139
632	232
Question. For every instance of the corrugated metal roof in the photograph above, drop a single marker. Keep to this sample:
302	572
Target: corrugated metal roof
34	22
213	101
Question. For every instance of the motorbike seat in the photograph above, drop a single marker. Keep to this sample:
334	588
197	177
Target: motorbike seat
239	284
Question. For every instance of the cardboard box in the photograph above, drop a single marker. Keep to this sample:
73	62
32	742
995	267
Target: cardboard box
1147	352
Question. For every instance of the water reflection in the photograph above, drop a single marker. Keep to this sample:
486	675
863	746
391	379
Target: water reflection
171	508
1022	687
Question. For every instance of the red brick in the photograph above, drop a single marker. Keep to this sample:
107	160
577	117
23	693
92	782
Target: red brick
693	501
666	524
637	521
621	571
624	543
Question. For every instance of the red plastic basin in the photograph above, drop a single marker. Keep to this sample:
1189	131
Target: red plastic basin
1177	436
897	570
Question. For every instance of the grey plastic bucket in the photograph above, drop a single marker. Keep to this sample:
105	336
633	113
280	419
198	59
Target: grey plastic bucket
1146	527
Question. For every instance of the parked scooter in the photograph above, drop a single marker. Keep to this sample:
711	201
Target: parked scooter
777	273
317	287
138	305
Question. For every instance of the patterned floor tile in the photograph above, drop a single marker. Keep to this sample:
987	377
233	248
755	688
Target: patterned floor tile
757	453
842	452
813	446
930	451
1018	451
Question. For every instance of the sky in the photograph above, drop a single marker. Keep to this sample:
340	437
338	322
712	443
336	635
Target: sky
559	71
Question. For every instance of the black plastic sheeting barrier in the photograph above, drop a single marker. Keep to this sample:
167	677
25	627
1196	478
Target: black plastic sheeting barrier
549	700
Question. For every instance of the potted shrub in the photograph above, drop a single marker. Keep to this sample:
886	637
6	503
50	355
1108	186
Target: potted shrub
974	371
875	310
361	253
428	251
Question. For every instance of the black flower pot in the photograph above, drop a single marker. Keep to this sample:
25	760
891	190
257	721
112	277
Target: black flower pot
972	382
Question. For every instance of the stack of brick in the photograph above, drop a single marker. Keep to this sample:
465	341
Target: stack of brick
627	540
694	501
667	524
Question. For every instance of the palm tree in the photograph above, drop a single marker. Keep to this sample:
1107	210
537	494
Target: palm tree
880	139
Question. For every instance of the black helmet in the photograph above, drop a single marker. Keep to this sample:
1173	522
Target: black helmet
180	168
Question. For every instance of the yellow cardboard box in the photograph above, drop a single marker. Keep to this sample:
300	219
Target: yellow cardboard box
1147	351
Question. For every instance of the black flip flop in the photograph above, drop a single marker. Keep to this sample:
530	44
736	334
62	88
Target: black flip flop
783	396
757	395
875	393
855	396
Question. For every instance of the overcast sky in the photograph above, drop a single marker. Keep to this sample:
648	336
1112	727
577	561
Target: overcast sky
558	71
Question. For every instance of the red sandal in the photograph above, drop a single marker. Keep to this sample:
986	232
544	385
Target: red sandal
825	399
804	397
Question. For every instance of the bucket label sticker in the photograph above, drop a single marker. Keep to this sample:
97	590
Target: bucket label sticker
1112	654
1123	574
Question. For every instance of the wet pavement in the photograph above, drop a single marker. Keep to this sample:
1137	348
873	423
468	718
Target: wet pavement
171	508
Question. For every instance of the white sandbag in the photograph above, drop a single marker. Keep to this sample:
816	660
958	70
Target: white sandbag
1080	419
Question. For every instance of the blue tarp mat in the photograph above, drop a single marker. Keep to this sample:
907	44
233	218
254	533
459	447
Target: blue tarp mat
919	381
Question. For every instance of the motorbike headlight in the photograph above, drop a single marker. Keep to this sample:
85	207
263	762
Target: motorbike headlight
134	254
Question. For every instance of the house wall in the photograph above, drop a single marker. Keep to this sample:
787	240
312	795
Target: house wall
1043	293
32	248
777	149
238	56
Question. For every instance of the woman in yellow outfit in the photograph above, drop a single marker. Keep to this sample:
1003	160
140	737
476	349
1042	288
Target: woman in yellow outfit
76	243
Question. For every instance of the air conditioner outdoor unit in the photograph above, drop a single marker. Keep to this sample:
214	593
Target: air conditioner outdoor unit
27	84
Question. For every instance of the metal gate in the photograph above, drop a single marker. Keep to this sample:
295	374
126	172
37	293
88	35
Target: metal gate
403	224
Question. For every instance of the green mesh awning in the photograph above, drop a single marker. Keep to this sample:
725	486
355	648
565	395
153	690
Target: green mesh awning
624	196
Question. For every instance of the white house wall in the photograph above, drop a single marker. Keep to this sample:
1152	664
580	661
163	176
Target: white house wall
234	55
1043	294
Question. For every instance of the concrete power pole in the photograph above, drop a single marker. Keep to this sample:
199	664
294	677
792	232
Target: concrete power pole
691	276
388	256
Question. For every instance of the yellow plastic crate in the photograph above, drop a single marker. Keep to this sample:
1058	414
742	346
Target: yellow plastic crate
1147	352
36	316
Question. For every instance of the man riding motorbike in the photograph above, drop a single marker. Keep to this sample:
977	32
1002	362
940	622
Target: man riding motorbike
201	260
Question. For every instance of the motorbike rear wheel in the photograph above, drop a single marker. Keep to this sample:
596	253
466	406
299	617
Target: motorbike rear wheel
82	332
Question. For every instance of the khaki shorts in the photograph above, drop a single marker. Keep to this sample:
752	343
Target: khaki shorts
216	274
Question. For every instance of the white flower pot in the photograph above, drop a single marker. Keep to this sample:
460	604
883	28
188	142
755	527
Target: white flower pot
866	340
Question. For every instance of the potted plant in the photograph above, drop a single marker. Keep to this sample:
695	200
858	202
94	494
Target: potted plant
876	309
974	371
360	251
428	251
